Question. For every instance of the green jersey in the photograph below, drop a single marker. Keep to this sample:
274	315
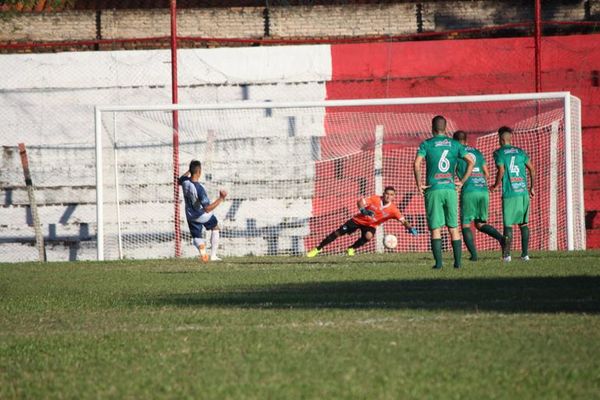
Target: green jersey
514	181
476	181
441	154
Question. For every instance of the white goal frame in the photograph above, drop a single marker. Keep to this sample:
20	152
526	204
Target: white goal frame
565	97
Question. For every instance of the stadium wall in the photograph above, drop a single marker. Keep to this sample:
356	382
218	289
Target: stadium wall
287	22
47	102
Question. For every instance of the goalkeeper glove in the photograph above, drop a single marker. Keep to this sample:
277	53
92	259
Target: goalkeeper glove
412	231
366	212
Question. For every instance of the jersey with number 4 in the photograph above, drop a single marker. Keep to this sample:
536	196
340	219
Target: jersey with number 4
441	154
514	181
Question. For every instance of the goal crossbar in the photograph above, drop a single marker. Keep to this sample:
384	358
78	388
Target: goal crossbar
341	103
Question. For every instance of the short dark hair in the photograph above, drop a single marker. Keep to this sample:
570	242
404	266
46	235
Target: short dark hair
438	123
460	136
503	130
389	188
195	166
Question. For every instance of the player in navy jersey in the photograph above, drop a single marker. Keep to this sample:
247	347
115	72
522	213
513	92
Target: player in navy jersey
198	211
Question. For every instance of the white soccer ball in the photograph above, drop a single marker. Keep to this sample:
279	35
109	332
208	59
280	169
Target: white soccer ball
390	241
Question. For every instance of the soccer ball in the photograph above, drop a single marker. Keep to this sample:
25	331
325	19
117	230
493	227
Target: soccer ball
390	241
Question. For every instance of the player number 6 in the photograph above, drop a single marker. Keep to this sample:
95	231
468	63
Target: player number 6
444	163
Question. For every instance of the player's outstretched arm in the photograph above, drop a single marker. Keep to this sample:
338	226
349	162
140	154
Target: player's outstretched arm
531	170
409	228
217	202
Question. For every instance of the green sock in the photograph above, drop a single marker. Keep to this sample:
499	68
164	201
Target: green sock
457	249
436	249
508	235
491	231
468	237
524	240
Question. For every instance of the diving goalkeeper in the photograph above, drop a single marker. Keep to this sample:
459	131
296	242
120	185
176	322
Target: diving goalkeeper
374	211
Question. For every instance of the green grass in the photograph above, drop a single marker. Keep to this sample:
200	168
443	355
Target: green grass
370	327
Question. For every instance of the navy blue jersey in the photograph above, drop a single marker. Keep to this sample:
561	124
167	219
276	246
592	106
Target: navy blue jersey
195	198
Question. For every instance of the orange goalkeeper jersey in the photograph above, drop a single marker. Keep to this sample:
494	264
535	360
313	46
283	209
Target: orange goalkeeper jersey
382	213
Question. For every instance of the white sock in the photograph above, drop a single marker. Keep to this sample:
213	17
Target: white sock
214	242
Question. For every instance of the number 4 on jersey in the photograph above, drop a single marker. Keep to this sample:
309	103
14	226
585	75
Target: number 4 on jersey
514	169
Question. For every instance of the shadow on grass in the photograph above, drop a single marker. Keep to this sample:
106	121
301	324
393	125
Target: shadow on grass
573	294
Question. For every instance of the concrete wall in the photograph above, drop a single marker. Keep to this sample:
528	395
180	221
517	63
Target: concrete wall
343	21
288	22
48	103
228	22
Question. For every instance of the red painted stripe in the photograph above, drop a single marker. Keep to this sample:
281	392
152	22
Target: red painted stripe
476	66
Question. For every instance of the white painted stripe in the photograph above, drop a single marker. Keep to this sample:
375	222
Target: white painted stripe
224	66
59	91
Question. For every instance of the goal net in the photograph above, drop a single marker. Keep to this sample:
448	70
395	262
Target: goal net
295	171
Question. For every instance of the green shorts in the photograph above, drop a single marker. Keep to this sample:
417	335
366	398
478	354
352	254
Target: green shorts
515	210
474	206
441	207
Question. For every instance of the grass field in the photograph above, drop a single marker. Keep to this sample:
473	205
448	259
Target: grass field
369	327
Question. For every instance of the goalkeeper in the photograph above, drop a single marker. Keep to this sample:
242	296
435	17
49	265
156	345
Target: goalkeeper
198	211
512	163
374	211
474	197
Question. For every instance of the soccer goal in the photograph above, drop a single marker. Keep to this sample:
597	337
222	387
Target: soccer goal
294	171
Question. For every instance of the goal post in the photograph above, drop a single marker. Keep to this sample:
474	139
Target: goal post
294	170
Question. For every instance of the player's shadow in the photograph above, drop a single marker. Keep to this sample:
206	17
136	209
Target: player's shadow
574	294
